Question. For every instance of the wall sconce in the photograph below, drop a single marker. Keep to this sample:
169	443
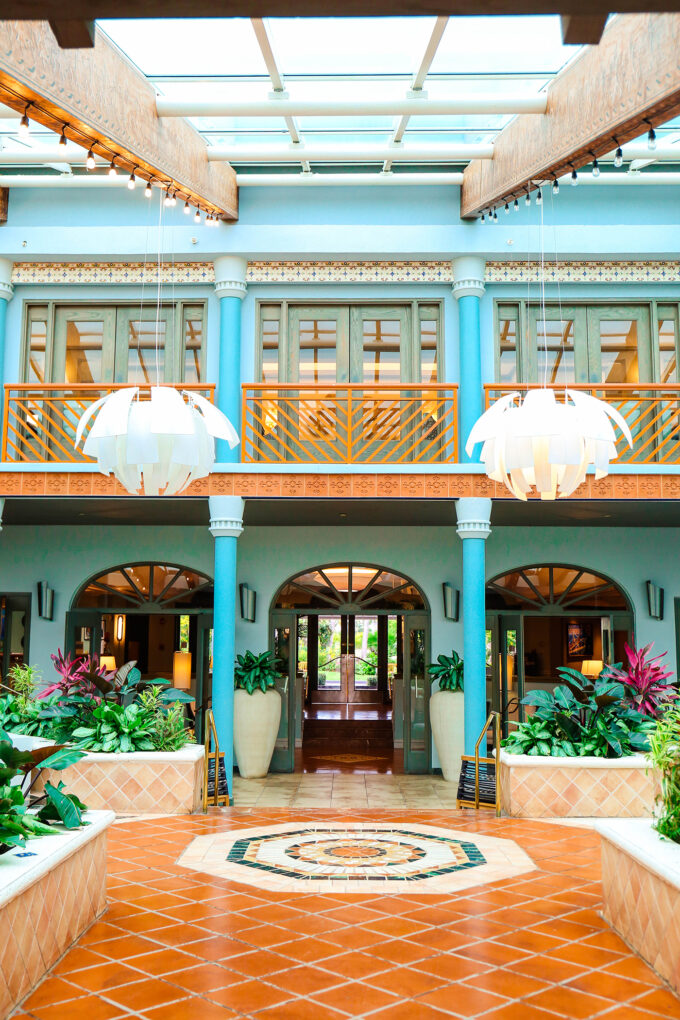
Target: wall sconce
248	602
45	600
655	600
451	602
119	628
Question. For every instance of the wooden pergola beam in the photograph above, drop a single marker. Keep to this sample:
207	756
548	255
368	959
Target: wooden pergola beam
582	29
107	104
608	94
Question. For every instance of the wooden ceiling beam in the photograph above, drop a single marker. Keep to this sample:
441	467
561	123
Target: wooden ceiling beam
107	104
73	35
608	94
582	29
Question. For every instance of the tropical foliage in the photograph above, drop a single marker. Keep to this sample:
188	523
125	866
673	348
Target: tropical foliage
253	672
17	824
581	717
644	679
665	756
448	670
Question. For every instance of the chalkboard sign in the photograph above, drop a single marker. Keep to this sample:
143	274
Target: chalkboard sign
487	782
222	789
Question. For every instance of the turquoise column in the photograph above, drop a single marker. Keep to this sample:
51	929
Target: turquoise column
226	524
230	287
474	527
5	295
468	287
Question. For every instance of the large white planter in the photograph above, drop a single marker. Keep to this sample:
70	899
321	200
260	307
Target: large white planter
545	787
641	892
447	710
256	725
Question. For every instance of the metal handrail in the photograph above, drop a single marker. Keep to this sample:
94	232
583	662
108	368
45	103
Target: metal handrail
495	718
211	731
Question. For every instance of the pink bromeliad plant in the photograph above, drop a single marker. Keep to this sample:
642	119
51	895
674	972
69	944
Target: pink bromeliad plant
75	676
644	679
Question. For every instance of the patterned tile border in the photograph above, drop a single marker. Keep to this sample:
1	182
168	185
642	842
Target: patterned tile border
325	485
439	860
425	272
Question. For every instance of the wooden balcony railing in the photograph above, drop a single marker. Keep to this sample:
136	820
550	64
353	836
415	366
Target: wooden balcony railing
652	412
40	422
350	423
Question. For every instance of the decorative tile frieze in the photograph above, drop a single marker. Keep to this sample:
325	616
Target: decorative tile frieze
304	272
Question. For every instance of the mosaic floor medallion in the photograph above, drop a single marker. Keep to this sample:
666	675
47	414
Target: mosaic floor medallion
352	858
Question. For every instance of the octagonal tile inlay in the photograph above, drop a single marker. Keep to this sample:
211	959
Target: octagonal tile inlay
335	857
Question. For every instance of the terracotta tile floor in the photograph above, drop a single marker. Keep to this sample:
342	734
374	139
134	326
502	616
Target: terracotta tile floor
178	944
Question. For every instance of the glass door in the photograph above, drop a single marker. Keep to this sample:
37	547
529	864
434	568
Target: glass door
204	671
84	345
558	353
145	346
284	648
510	670
15	615
83	632
416	694
363	680
386	420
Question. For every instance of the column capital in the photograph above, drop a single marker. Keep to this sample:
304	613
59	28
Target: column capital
226	516
6	288
474	517
230	276
468	276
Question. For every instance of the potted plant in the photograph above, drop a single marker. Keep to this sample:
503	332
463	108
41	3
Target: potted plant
257	712
580	754
447	713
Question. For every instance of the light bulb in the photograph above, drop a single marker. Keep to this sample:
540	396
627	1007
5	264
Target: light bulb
187	209
147	190
527	200
507	208
167	200
596	168
618	157
24	124
495	216
197	217
516	205
555	186
62	137
112	169
131	181
651	138
574	178
483	218
89	162
539	197
173	199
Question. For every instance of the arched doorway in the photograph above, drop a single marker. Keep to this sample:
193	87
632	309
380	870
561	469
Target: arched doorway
146	612
547	615
354	640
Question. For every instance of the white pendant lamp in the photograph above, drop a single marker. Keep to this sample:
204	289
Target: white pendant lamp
547	445
154	446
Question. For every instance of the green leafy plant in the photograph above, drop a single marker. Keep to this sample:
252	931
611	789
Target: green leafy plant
17	824
665	756
644	678
254	672
448	670
581	717
116	728
169	729
23	681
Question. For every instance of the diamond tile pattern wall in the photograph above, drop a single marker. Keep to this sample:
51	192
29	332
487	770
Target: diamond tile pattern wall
40	924
644	909
132	786
549	792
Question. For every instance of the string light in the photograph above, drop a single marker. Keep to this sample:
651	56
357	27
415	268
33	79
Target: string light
618	156
62	137
539	197
527	200
132	180
651	136
147	190
574	177
516	205
507	208
187	208
483	218
197	216
555	186
89	162
596	166
167	200
24	123
173	198
112	169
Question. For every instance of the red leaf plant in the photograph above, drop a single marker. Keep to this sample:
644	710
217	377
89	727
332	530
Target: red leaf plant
75	676
644	679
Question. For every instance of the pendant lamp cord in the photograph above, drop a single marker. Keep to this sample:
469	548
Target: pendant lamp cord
159	281
559	292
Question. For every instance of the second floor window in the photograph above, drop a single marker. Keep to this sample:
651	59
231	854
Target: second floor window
321	345
115	344
614	344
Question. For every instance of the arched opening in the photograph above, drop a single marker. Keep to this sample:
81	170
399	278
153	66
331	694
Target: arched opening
547	615
354	638
146	612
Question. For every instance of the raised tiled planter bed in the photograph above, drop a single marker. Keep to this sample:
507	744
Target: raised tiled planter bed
47	901
641	892
534	787
141	783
